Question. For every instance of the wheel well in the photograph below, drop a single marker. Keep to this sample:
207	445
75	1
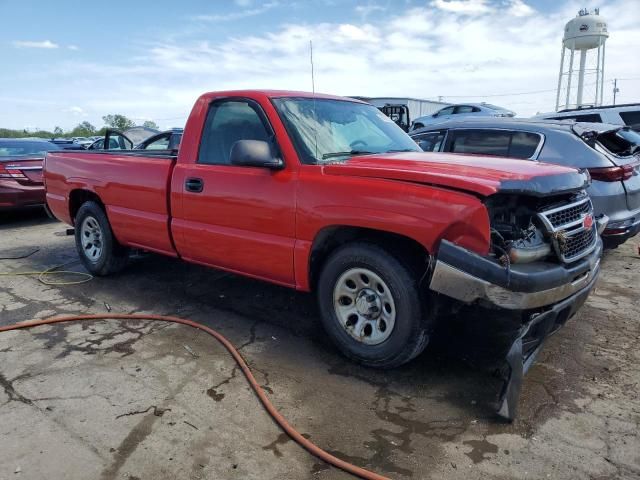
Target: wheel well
78	197
410	252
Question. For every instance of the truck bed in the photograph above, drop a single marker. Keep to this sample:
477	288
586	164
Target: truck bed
133	186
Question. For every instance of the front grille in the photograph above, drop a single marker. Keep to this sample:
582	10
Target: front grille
578	243
569	215
565	225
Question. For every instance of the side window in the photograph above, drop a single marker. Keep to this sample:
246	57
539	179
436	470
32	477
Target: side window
631	118
589	117
445	111
486	142
430	142
464	109
496	142
524	144
161	143
227	122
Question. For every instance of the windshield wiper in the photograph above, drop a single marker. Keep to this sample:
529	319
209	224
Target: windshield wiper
346	154
401	150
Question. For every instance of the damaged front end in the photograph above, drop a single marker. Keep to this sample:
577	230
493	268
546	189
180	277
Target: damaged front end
543	262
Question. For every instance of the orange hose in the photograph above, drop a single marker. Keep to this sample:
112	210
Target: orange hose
277	416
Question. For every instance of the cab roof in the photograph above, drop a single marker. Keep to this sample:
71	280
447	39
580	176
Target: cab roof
278	94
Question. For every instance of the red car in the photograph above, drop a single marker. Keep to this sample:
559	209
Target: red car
327	194
21	172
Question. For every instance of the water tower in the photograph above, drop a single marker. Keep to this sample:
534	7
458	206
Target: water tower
585	35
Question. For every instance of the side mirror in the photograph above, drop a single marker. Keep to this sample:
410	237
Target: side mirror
254	153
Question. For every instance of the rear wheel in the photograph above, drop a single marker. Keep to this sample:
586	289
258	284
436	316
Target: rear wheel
371	306
99	251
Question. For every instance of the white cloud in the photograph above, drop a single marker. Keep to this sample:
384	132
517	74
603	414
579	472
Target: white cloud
73	47
518	8
246	12
420	52
365	10
469	7
75	111
32	44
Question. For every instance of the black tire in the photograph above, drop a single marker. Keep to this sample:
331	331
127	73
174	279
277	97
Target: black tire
409	335
113	256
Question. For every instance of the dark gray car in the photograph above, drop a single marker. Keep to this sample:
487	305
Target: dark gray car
611	154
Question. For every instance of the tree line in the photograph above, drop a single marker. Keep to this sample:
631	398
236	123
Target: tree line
83	129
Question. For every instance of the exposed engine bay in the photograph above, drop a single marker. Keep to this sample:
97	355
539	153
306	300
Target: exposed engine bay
518	235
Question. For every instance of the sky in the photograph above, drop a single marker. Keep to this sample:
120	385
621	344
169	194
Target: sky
65	62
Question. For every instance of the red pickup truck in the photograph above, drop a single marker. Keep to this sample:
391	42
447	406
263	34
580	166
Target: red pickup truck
325	193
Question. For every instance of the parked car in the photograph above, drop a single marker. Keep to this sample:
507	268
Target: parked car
626	114
21	172
610	153
84	142
66	144
114	142
326	194
458	111
167	140
136	139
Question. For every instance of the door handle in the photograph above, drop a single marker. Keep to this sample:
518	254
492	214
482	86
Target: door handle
194	185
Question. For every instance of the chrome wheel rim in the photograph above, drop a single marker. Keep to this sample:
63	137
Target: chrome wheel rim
364	306
91	239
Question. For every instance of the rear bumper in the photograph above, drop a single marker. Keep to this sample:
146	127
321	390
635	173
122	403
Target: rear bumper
13	195
471	278
612	236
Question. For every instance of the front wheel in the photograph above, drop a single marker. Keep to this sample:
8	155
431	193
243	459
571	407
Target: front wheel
99	251
371	306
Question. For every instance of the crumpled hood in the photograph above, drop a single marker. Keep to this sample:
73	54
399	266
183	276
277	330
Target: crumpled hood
479	174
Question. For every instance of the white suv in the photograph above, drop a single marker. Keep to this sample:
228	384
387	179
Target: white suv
628	114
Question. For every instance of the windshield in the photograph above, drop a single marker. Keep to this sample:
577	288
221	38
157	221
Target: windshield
334	130
10	148
622	142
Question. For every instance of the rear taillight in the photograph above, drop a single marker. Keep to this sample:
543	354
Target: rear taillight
612	174
6	171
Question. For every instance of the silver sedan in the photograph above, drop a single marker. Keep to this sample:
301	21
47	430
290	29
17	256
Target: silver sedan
611	154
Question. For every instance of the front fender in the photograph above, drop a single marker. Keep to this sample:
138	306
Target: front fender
422	213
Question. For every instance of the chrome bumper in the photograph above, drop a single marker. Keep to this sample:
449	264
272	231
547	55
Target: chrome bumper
461	285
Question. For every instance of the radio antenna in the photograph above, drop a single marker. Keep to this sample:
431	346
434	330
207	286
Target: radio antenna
313	91
313	80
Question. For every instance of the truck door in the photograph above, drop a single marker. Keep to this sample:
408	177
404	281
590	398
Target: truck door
399	114
238	218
